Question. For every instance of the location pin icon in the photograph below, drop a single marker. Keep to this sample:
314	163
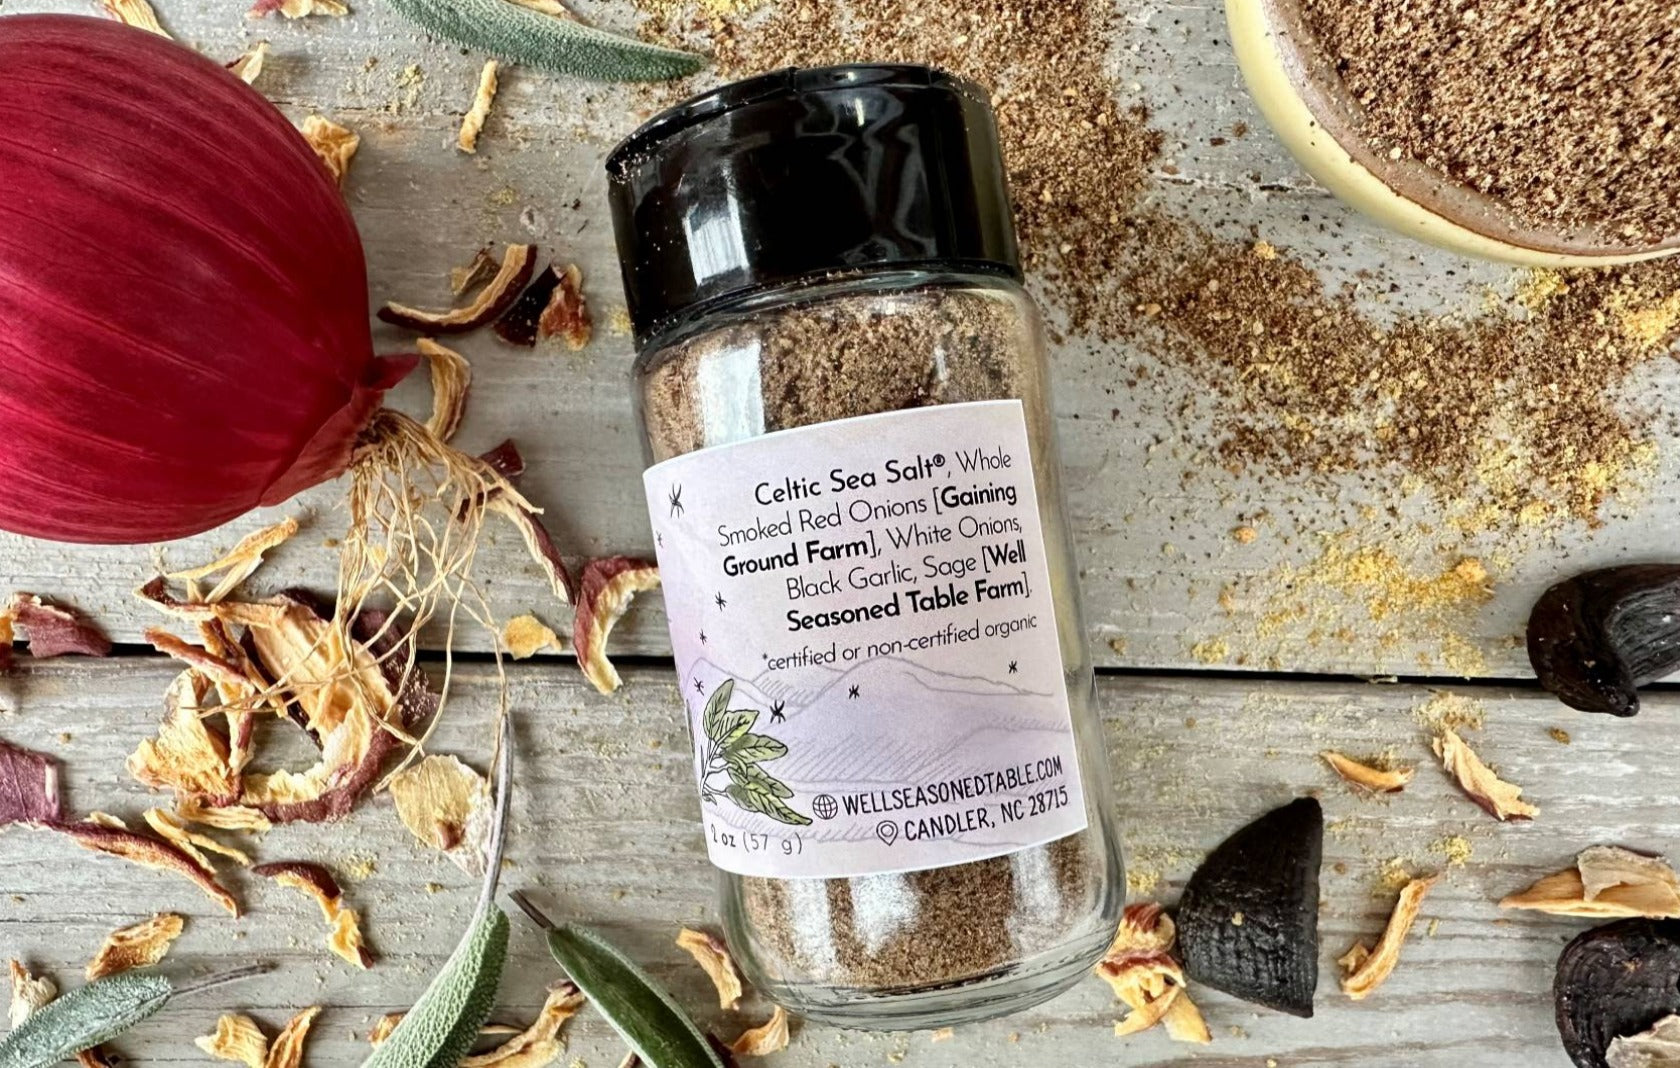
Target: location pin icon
887	831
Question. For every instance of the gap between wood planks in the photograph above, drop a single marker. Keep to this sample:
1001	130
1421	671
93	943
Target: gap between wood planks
434	657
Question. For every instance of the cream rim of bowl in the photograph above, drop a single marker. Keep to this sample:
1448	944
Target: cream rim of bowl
1279	70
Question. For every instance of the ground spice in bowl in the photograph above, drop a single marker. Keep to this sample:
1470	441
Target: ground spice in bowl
1567	115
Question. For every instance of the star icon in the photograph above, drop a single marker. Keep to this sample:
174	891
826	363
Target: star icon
1014	668
659	540
721	603
702	637
674	495
852	693
699	687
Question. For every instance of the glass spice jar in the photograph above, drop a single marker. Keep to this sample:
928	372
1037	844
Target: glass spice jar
868	576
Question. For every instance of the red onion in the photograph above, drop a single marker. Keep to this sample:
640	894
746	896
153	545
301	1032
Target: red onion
183	301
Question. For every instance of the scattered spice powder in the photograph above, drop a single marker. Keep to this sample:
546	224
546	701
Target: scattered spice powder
1517	415
711	9
1456	848
1211	650
1141	882
1446	711
1392	876
1512	415
1584	139
1368	601
1078	158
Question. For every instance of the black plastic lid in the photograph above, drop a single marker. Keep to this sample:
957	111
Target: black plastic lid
804	173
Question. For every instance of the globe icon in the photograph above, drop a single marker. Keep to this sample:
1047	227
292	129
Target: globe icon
825	807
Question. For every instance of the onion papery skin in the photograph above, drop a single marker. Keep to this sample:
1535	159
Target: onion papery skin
184	328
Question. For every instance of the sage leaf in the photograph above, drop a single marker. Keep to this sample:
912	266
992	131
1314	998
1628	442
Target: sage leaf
513	32
439	1031
717	707
780	811
96	1013
640	1010
735	725
753	778
753	748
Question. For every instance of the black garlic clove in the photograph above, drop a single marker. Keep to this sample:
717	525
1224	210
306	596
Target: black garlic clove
1248	918
1596	638
1614	981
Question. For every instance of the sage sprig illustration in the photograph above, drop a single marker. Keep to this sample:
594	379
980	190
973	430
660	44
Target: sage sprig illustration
733	757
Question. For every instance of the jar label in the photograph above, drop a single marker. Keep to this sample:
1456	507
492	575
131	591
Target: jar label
866	640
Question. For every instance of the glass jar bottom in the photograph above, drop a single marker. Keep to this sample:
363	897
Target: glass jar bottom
1019	986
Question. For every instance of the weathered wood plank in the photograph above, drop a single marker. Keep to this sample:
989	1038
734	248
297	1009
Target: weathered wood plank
1152	511
604	830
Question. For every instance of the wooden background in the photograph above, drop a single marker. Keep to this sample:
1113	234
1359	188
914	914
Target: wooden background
605	821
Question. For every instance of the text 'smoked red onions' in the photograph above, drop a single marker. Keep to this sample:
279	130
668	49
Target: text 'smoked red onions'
183	300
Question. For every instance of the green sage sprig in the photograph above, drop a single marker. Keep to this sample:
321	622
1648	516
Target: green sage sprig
514	32
639	1009
439	1031
96	1013
734	751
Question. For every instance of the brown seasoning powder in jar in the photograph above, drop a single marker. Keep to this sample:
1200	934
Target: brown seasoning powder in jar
835	359
969	919
844	358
